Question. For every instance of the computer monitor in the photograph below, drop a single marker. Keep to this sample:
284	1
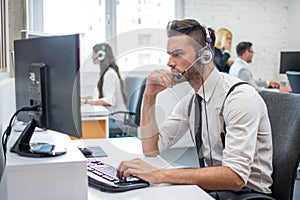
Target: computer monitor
47	80
289	61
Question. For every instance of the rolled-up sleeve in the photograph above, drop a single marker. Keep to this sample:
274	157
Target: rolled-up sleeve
242	131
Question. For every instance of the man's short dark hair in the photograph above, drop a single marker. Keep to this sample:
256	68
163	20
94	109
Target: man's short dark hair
193	29
242	47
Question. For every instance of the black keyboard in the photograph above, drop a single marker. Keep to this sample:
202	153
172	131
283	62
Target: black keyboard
104	177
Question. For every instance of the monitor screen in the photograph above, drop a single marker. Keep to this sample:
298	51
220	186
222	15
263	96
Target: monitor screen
289	61
47	74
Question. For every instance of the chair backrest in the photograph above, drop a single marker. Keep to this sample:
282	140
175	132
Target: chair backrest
283	109
294	79
135	87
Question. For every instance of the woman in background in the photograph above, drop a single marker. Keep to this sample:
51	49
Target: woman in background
222	50
111	87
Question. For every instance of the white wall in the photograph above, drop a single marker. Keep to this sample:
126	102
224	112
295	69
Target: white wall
293	25
265	23
7	102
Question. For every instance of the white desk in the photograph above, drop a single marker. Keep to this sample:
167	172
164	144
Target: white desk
119	149
61	177
64	177
95	122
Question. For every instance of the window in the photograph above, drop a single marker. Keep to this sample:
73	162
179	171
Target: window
144	39
117	22
86	17
143	24
134	28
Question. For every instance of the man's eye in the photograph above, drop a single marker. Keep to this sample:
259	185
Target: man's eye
177	54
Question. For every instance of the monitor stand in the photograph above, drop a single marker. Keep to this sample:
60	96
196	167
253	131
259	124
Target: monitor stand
23	147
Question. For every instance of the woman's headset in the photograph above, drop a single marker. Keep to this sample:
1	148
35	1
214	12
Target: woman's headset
100	55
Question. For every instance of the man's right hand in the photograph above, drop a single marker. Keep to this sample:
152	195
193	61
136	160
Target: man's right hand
158	81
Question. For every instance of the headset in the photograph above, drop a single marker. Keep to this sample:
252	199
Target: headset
100	55
204	55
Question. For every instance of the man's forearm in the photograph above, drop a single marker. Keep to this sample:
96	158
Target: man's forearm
149	128
210	178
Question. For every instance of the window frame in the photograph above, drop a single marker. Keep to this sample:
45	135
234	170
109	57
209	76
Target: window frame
4	66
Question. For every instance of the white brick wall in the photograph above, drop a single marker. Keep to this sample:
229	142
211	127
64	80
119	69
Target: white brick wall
262	22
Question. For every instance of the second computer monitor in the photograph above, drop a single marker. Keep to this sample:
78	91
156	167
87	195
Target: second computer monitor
289	61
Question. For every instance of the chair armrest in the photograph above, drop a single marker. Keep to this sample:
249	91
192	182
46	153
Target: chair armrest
123	112
254	196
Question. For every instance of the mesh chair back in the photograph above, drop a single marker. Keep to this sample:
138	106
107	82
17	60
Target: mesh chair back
284	114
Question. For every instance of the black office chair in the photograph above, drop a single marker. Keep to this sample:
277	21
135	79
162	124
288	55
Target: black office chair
283	109
135	86
294	79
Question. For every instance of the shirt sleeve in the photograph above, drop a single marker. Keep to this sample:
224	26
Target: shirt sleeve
242	124
262	83
246	75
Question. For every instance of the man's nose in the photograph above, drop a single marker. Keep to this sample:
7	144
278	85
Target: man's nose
171	62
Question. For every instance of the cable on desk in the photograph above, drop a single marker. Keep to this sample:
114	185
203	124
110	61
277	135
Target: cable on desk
7	132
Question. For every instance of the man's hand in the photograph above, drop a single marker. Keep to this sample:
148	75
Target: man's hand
139	168
230	62
285	89
274	84
158	81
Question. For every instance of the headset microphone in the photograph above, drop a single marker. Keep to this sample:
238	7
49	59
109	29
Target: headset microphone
178	76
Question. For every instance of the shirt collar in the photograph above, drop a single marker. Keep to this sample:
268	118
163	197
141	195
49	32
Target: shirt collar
209	85
242	61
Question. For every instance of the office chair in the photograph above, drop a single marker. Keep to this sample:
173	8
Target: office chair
294	79
135	86
283	109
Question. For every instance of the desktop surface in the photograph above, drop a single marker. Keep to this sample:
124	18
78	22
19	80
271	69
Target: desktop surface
88	110
119	149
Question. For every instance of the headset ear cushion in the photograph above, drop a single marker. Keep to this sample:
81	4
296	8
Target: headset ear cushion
205	55
100	55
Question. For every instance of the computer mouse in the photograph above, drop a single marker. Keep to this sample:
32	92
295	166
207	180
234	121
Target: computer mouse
86	151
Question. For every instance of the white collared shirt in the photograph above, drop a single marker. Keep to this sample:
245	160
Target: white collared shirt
112	93
240	69
248	149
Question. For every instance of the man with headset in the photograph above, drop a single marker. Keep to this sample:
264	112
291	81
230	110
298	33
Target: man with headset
243	158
